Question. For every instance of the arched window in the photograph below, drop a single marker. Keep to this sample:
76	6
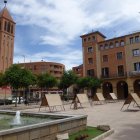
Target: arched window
111	45
5	26
117	44
106	46
101	47
0	25
8	27
11	29
122	43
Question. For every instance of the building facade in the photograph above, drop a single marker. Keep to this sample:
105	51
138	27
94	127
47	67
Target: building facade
55	69
7	34
116	61
78	70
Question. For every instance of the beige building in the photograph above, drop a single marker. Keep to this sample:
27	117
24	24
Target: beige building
116	61
53	68
7	33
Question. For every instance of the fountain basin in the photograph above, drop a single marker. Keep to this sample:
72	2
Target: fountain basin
45	130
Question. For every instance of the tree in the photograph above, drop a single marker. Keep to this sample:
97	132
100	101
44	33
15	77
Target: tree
69	78
89	83
17	78
46	81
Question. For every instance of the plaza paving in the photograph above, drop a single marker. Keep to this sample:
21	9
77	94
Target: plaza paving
125	123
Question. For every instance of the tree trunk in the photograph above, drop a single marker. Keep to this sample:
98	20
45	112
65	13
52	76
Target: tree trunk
16	97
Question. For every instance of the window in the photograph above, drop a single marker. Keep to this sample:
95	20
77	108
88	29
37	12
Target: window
101	47
122	43
11	28
105	72
8	27
111	45
119	55
120	70
90	60
85	39
90	72
137	66
88	38
117	44
137	39
131	40
5	26
136	52
93	37
90	49
105	58
106	46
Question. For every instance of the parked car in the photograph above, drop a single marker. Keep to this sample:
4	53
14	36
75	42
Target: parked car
5	101
21	100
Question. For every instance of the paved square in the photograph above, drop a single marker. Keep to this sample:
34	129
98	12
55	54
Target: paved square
125	123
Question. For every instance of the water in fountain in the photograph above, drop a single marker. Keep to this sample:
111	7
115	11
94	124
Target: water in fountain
17	120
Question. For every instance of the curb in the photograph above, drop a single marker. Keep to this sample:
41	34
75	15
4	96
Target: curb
104	135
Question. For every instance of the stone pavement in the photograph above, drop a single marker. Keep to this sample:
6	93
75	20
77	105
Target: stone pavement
125	123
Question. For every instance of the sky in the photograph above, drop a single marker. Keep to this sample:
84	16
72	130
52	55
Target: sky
50	30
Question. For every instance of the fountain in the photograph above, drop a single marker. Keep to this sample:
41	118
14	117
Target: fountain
17	120
29	126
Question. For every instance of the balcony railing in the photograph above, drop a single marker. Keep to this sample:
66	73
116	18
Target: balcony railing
117	75
134	73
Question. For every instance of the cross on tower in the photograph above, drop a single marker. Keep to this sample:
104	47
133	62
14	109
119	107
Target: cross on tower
5	1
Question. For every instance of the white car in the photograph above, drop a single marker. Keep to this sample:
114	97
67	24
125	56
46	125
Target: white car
21	100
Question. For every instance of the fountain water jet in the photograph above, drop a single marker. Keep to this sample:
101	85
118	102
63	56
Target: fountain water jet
17	120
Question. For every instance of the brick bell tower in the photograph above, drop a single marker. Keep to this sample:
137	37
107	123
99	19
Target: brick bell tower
7	34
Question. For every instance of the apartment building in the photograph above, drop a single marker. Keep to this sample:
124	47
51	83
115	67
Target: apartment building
78	70
53	68
116	61
7	34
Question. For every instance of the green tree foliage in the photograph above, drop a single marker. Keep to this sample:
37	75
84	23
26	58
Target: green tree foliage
17	78
46	81
69	78
89	83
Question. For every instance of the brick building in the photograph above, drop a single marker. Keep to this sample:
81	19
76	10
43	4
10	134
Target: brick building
7	34
53	68
78	70
116	61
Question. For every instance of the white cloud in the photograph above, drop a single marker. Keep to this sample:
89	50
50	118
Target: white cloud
65	20
69	59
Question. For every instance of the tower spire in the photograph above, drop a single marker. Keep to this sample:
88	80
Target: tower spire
5	1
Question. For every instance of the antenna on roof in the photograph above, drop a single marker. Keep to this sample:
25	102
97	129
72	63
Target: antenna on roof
5	1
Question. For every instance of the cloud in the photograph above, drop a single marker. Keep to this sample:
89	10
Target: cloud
59	24
69	59
65	20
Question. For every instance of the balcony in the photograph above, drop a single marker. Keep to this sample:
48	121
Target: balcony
134	73
112	76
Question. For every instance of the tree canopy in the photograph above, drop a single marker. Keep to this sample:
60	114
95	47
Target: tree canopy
17	77
69	78
46	81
